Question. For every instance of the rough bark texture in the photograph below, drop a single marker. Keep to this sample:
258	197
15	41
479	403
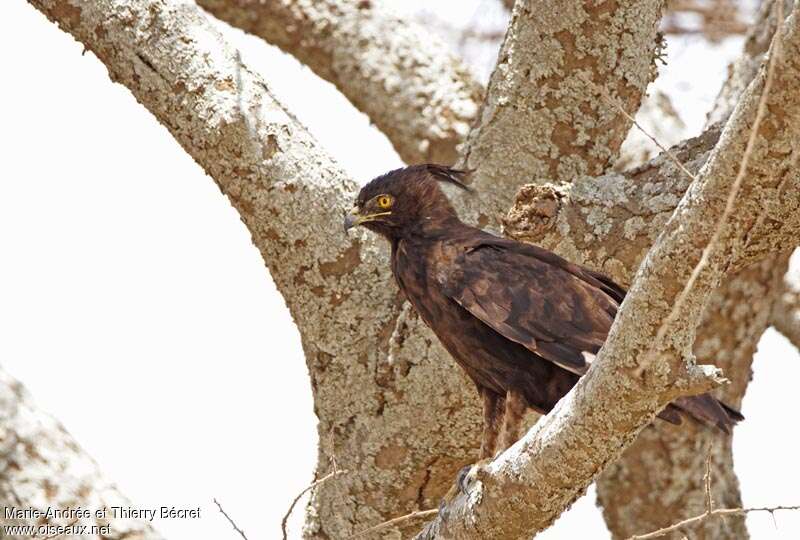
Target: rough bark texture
648	358
42	467
624	213
746	66
786	311
403	419
404	78
540	118
413	420
660	478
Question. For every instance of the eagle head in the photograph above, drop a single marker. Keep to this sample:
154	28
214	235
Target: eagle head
405	200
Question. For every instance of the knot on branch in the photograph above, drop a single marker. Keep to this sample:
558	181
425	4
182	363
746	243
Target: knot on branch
535	211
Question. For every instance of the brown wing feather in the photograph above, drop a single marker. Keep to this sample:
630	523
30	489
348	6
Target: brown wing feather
553	308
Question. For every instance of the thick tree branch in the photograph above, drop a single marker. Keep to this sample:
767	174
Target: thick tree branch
625	212
657	481
42	467
622	212
406	80
539	119
741	72
647	360
786	311
292	196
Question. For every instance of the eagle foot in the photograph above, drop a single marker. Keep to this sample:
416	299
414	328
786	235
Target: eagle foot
465	478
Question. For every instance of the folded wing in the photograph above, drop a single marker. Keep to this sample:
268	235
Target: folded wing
558	310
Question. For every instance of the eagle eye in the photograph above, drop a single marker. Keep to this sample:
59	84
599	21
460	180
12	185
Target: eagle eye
385	201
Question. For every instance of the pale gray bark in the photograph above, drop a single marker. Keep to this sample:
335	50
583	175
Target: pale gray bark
404	78
741	72
624	213
414	419
659	480
734	321
43	468
540	119
647	359
401	418
786	311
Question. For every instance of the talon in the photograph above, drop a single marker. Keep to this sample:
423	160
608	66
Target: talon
463	477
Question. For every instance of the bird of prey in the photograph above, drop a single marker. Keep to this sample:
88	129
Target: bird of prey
521	321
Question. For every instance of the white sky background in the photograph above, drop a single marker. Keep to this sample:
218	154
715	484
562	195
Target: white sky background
135	308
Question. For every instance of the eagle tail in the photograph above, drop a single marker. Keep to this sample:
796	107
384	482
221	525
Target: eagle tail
705	409
608	285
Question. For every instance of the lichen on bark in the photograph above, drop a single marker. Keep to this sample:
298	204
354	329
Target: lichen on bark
423	98
540	119
43	468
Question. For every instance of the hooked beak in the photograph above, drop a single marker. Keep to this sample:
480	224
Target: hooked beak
353	218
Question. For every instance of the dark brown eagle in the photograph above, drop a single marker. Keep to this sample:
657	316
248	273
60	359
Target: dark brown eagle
520	320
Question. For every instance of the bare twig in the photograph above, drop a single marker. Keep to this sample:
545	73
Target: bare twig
602	91
710	512
706	515
719	18
233	523
709	500
413	515
334	473
729	203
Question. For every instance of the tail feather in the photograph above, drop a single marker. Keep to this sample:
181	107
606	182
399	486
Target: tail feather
705	409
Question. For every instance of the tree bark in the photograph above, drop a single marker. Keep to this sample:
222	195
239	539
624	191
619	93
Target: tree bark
540	119
786	311
414	419
412	87
647	359
659	479
733	324
42	467
392	408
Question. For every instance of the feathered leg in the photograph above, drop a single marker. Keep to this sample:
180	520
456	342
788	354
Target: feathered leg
493	412
516	405
494	409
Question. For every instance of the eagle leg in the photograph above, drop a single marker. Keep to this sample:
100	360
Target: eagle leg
494	406
516	405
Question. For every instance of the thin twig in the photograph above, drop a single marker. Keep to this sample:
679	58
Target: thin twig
413	515
709	500
622	110
677	307
335	472
233	523
705	515
710	512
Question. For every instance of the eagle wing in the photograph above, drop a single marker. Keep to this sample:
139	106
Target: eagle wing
556	309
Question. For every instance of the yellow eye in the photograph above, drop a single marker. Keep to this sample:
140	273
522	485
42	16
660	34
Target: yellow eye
385	201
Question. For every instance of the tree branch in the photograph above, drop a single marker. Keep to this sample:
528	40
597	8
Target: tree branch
412	87
539	119
354	330
42	467
602	415
786	311
656	482
625	212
